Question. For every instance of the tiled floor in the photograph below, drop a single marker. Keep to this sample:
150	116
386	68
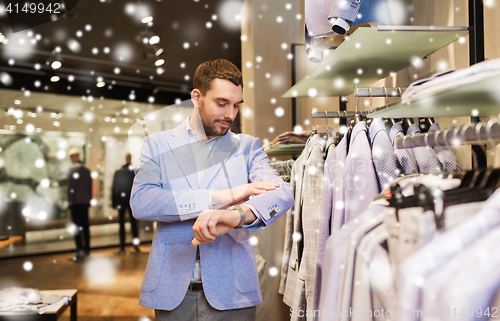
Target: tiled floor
108	285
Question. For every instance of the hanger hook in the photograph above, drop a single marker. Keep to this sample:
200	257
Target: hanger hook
489	125
371	99
356	94
326	121
426	136
479	125
400	92
386	97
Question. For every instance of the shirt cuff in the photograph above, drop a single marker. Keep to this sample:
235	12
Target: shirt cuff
210	199
255	225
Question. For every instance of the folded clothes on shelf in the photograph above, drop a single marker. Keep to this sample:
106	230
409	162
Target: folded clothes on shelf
450	79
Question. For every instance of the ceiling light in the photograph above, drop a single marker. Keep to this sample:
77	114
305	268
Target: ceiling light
17	102
55	78
147	19
158	51
56	64
2	37
101	84
159	62
154	40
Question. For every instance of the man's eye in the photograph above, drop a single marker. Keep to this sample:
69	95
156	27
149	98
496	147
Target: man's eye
221	104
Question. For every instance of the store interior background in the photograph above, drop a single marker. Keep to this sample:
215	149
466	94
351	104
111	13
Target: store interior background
260	45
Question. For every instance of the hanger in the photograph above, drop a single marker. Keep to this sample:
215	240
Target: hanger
358	117
369	120
407	122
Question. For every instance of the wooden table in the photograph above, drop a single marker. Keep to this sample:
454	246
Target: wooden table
50	315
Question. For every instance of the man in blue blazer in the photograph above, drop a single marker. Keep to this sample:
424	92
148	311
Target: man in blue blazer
195	181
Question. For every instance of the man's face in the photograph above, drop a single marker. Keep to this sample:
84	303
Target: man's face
219	106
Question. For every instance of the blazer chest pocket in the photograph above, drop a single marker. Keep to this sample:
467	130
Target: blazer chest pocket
153	269
244	267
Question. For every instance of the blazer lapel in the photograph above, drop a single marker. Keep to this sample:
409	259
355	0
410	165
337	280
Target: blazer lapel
183	154
222	150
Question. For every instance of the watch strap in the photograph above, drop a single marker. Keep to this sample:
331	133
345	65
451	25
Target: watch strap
242	215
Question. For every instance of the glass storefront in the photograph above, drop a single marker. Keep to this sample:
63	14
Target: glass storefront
34	213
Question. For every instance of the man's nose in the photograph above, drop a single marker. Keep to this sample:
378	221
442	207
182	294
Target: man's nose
230	113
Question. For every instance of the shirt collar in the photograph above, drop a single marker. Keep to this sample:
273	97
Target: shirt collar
376	126
193	135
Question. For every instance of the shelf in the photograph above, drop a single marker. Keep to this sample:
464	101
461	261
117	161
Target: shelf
376	52
481	98
293	149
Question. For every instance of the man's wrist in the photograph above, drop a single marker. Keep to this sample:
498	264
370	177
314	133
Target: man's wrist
241	213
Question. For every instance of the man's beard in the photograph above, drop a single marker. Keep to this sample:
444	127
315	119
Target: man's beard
211	127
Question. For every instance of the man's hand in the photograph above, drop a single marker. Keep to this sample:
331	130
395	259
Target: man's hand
238	194
213	223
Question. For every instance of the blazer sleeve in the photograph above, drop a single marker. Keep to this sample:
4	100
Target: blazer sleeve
152	199
273	204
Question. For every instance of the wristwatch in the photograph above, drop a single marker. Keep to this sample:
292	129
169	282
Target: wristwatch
242	214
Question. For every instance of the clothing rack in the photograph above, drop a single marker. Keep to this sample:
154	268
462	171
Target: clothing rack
336	114
473	133
378	92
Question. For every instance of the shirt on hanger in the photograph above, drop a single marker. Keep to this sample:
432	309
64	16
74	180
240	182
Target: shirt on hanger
325	219
446	156
360	182
373	287
406	157
426	157
467	280
385	161
299	286
416	269
472	281
336	257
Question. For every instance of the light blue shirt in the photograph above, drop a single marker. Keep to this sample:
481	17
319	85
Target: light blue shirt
201	152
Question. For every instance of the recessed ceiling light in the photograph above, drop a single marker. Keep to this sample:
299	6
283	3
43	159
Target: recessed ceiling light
17	102
101	84
147	19
56	64
55	78
159	62
154	40
159	52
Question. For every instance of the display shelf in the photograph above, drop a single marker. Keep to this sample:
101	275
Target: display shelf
480	98
371	54
292	149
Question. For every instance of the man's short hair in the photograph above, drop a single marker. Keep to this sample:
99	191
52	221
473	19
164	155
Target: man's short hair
216	68
73	151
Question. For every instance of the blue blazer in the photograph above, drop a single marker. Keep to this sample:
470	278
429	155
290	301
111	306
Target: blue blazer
166	190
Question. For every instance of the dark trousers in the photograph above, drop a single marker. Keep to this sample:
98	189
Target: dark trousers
133	225
80	217
195	307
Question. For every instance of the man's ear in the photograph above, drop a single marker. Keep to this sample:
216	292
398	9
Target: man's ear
195	97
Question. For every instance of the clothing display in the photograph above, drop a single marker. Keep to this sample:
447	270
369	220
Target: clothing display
378	241
298	281
451	79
